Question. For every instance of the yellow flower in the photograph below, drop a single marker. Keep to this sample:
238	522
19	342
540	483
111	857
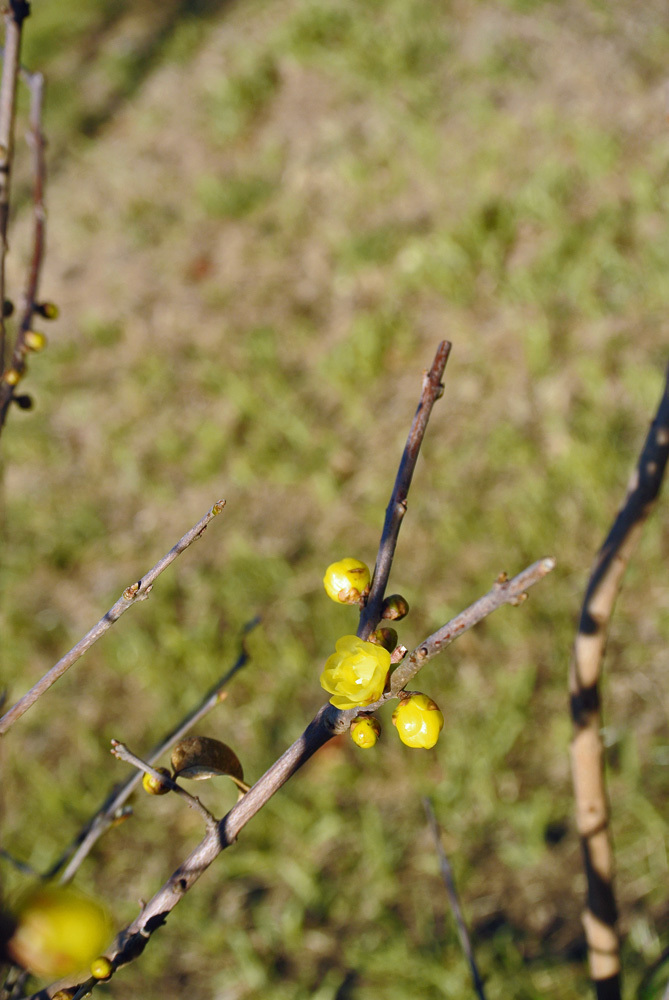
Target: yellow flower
365	731
59	931
154	787
418	721
346	581
34	340
101	968
356	674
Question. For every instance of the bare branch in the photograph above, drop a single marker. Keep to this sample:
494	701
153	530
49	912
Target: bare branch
431	392
135	592
35	83
121	752
454	901
587	751
503	592
329	721
112	808
131	941
15	13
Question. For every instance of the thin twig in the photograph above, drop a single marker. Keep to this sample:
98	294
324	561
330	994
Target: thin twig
85	988
20	866
121	752
13	987
453	899
397	506
135	592
35	83
587	751
15	13
111	809
503	592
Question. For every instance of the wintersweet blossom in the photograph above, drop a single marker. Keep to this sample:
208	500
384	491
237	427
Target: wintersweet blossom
418	720
346	581
356	673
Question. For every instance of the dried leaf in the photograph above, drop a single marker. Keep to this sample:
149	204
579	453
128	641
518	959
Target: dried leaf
200	757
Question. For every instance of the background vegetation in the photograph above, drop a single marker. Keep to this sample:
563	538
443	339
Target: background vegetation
263	217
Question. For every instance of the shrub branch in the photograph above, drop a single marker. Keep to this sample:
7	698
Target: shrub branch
587	751
397	506
454	901
135	592
113	808
15	13
328	721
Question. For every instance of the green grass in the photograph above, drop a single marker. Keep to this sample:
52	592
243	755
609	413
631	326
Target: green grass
263	218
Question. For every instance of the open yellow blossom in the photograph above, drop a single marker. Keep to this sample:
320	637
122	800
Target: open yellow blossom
356	674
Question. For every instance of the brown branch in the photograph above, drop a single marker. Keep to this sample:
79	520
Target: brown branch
454	901
135	592
35	83
15	13
112	808
503	592
131	941
121	752
587	752
431	392
328	722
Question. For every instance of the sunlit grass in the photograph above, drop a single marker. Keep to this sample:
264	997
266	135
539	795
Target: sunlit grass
283	210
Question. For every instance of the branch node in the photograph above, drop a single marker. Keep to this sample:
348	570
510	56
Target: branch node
515	601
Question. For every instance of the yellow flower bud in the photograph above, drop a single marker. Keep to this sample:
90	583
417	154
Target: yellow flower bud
58	931
365	731
34	340
101	968
346	581
154	787
356	674
418	720
12	376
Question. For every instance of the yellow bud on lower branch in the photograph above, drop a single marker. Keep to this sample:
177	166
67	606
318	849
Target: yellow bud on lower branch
155	787
418	720
365	731
101	968
58	931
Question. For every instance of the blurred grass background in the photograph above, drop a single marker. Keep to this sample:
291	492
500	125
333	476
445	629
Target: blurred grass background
263	218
